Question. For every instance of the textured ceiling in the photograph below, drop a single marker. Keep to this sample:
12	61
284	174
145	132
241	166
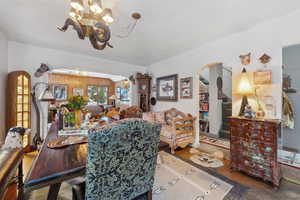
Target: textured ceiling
168	27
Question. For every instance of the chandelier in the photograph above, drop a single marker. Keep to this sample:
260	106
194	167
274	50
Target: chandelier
89	19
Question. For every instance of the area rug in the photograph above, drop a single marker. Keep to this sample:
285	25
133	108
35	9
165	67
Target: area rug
175	179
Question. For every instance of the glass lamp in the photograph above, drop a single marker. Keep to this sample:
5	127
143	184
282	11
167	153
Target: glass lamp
244	88
47	95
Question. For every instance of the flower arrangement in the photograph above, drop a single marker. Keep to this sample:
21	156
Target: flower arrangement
76	102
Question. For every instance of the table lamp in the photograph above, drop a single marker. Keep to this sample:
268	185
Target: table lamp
45	96
244	88
113	98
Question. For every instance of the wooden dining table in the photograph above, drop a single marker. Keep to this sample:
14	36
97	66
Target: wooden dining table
51	167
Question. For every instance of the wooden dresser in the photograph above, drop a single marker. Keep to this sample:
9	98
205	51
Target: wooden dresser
253	148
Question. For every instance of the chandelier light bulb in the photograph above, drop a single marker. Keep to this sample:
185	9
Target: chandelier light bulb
108	18
96	9
72	13
77	4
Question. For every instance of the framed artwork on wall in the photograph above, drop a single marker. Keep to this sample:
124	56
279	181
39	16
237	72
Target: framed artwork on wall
77	91
263	77
186	88
167	88
60	92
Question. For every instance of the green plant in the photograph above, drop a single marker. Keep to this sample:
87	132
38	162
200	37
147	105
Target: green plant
69	118
76	103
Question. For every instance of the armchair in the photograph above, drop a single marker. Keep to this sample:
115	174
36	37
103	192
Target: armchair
178	129
122	160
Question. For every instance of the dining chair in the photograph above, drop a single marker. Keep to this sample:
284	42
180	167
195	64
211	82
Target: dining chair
121	161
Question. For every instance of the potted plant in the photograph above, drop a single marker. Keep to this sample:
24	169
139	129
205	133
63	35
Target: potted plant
75	104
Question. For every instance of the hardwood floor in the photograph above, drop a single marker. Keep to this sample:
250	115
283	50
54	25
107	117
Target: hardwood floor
259	190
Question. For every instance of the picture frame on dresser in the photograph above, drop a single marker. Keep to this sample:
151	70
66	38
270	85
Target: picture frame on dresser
167	88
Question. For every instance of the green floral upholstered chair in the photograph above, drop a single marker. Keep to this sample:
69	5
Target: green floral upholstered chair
122	160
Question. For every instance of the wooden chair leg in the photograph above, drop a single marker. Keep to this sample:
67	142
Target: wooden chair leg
78	192
149	195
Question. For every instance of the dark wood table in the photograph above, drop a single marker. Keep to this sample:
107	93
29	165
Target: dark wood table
54	166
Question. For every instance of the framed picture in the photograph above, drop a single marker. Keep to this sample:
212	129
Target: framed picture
77	91
186	88
167	88
60	92
263	77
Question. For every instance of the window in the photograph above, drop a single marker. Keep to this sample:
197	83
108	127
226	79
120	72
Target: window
98	94
122	94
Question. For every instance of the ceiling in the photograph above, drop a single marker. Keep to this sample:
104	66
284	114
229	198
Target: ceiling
167	27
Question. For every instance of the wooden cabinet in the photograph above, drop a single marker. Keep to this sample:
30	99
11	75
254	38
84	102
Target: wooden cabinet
253	148
18	102
144	91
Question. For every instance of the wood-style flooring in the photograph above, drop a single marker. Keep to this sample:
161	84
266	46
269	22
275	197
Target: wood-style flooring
259	190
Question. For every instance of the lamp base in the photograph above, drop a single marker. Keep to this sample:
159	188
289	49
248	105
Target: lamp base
243	105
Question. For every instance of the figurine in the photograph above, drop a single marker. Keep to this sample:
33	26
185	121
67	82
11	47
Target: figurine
248	113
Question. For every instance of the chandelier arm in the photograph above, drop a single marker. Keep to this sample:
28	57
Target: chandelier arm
95	43
105	28
129	32
76	25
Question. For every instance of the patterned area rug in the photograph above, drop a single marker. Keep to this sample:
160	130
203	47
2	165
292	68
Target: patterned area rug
176	179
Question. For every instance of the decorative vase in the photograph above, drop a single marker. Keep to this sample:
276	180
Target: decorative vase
260	113
77	118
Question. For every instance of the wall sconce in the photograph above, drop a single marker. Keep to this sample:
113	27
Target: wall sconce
244	88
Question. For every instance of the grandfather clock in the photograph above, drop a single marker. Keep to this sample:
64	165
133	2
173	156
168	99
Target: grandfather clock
144	91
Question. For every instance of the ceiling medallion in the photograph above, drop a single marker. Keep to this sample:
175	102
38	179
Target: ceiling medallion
89	19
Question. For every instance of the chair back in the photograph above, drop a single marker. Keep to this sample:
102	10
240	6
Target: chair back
122	160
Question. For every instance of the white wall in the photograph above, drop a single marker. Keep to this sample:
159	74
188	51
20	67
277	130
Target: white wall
268	37
3	73
28	58
215	104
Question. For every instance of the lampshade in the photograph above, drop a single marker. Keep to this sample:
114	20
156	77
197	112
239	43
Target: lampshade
47	95
96	6
125	84
244	87
113	97
77	4
107	17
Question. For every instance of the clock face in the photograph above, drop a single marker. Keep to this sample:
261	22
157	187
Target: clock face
144	87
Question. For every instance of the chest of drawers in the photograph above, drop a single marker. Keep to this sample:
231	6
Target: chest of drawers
253	148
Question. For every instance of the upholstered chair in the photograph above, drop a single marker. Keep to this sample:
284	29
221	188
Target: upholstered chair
132	112
122	161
